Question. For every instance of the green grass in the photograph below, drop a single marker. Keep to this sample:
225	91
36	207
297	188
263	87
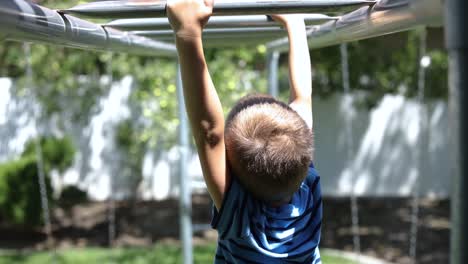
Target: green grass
160	254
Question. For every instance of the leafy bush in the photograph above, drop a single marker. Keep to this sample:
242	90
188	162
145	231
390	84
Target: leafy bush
20	200
56	153
72	195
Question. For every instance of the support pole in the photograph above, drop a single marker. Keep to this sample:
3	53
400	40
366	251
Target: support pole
111	199
185	198
421	149
457	45
41	176
350	150
152	9
273	65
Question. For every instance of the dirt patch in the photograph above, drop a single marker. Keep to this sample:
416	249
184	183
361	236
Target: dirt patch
384	227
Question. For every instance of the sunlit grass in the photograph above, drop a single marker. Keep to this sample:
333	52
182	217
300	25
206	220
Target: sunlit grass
160	254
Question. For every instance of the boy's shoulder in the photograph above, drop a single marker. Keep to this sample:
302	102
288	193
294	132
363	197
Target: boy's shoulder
238	198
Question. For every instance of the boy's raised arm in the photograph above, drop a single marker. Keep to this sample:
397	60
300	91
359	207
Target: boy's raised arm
300	69
204	109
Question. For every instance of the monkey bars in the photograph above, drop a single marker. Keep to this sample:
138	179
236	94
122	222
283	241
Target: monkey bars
157	8
385	17
214	22
255	31
25	21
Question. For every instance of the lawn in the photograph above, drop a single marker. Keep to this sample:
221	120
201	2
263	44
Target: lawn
160	254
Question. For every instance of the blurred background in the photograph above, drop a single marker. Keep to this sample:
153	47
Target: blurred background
106	126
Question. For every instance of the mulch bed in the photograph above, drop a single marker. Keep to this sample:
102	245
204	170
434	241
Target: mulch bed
384	227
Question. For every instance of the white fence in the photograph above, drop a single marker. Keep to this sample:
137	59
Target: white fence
385	152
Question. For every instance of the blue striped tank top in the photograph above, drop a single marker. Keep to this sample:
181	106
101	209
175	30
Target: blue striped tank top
250	231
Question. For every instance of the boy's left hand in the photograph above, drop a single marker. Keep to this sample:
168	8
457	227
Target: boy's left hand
188	17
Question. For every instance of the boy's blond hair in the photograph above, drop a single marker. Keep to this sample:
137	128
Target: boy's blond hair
269	147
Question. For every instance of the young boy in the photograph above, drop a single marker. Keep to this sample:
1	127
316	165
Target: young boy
257	168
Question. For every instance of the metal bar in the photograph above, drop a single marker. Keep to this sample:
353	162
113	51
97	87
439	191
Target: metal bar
273	65
227	41
385	17
157	8
223	39
185	198
261	31
457	45
25	21
214	22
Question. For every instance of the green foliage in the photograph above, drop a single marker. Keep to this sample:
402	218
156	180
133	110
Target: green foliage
128	141
20	200
378	66
72	195
56	153
19	192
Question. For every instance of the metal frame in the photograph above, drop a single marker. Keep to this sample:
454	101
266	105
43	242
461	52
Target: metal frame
457	45
185	199
229	41
255	31
25	21
151	9
385	17
273	67
214	22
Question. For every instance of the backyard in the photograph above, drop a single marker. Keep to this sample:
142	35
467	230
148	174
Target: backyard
92	143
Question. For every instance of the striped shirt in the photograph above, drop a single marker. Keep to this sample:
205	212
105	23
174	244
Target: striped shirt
250	231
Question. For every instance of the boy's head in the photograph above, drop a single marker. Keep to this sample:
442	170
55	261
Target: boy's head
269	147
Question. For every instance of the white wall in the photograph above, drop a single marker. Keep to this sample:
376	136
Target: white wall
384	155
385	149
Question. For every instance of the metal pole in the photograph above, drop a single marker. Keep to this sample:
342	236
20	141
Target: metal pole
185	199
214	22
273	65
421	149
457	45
227	40
151	9
350	150
252	32
41	176
25	21
385	17
234	38
111	203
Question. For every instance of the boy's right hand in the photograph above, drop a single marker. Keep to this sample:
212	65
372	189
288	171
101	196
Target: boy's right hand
188	17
